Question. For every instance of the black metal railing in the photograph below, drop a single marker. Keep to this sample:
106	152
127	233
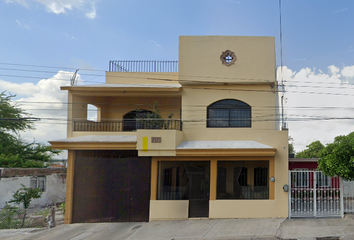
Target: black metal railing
143	66
127	125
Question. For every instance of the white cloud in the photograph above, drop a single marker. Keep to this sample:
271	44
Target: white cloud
46	101
25	26
316	101
22	89
156	43
92	14
21	2
348	71
333	69
69	36
339	10
62	6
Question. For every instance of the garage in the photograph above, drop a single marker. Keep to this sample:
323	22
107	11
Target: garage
111	186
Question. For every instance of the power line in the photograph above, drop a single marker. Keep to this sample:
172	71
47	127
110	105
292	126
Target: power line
42	66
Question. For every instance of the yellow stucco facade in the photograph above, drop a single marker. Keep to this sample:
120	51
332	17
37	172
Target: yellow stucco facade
184	99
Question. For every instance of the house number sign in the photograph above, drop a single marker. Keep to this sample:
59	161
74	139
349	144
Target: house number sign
155	139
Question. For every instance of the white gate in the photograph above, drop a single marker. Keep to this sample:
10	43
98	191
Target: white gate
348	196
313	194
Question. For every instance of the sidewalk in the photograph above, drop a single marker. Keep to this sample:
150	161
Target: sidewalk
196	229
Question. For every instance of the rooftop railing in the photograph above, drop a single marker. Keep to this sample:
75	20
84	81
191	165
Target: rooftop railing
143	66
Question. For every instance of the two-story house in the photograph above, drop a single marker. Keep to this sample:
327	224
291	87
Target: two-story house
197	138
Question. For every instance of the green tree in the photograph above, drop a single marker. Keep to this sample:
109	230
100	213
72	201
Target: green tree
313	150
338	158
24	196
15	152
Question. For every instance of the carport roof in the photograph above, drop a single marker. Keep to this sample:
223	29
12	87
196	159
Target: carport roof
118	86
224	148
222	145
96	142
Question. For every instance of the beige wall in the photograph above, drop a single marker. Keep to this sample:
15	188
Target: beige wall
199	59
113	108
170	139
141	77
168	209
196	99
248	208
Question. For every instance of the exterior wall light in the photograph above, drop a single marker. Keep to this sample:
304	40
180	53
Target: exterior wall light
272	179
286	187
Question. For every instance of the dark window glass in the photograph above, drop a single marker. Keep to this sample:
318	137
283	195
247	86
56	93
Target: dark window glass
175	178
242	180
229	113
221	180
261	176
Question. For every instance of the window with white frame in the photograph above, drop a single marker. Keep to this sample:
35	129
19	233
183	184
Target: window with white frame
38	182
322	180
301	178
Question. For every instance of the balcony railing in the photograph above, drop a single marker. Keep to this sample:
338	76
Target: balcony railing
127	125
143	66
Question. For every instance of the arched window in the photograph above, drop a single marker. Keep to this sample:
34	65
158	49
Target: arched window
135	120
229	113
93	113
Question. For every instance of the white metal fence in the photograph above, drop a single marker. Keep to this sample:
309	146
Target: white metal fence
348	196
313	194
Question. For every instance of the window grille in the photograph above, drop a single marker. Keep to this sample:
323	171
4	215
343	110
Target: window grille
301	179
243	180
174	179
38	182
229	113
322	180
261	176
221	186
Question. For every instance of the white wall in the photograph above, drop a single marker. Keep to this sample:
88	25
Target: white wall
54	192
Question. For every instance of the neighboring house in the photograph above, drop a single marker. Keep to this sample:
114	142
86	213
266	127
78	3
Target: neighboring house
51	181
221	155
305	177
303	163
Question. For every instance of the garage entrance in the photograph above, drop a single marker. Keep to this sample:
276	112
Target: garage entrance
111	186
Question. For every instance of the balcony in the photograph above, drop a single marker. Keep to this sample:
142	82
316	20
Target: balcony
127	125
143	66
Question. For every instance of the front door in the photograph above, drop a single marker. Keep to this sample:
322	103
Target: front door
199	189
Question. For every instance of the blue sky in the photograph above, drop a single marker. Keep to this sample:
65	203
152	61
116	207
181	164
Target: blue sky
64	35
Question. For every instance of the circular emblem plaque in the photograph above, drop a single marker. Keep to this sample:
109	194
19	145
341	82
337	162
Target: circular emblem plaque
228	58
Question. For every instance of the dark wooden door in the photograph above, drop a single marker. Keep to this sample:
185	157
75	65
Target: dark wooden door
140	190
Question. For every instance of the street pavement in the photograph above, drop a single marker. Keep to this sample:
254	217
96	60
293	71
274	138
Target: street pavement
196	229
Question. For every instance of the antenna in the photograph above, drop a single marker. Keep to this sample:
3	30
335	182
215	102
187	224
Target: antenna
73	78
